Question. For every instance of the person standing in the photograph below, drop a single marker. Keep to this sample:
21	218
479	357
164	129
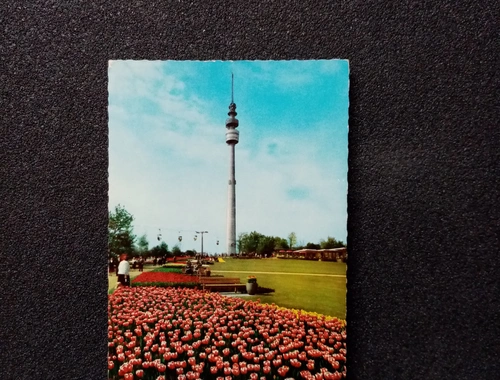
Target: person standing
111	265
124	271
141	264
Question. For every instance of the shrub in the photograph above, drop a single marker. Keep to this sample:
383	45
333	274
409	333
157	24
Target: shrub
168	269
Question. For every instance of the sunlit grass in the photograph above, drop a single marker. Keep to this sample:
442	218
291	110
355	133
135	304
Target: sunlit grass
282	265
322	294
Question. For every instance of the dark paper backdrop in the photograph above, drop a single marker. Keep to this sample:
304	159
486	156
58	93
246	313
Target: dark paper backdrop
423	170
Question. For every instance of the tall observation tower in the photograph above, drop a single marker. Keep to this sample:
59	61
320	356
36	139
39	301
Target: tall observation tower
232	137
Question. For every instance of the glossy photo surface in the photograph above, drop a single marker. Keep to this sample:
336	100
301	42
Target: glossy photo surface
227	219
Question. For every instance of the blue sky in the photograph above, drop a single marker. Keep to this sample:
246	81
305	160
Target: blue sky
169	163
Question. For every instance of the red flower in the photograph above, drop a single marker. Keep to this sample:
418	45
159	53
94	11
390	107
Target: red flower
283	370
166	277
181	326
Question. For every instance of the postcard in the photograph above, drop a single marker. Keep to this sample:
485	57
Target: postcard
227	219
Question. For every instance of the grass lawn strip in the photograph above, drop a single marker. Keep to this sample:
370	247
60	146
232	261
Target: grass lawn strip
282	265
286	273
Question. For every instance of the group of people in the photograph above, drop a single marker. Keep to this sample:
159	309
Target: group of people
138	264
192	268
196	267
122	268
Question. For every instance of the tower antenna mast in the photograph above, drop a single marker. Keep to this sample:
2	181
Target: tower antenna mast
232	88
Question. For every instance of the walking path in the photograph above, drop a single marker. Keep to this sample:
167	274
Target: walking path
298	274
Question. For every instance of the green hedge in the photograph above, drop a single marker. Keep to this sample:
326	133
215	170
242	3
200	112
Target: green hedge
168	269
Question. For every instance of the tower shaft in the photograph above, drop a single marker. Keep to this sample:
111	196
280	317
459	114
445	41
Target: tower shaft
231	204
232	138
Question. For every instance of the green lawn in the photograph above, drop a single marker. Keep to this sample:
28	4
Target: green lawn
321	294
282	265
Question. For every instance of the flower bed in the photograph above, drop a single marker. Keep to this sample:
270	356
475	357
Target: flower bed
165	279
175	265
178	258
166	333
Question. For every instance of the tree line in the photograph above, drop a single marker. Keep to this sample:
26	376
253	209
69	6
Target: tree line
259	244
121	239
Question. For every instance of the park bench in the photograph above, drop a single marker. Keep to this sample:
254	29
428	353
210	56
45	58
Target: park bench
222	283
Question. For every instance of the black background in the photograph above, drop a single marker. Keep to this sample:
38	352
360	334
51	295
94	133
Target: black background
423	170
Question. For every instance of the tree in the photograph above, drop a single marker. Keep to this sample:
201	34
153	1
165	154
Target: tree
176	251
266	245
313	246
239	243
330	243
255	242
292	238
143	245
160	250
155	251
281	244
120	232
123	243
164	249
250	242
243	237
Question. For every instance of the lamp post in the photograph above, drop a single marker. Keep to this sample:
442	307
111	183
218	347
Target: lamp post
201	232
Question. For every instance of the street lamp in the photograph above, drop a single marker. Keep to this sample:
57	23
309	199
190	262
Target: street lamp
201	232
